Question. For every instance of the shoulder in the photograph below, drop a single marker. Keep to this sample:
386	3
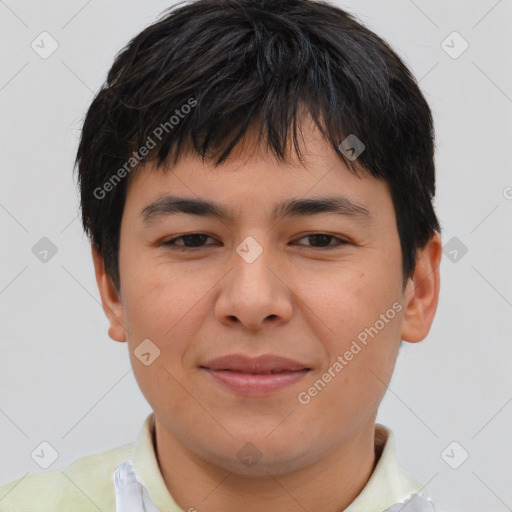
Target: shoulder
86	484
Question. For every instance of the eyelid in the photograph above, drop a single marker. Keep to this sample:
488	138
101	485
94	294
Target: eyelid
340	241
171	241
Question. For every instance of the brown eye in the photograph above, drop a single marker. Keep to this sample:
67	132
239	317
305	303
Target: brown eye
189	241
323	241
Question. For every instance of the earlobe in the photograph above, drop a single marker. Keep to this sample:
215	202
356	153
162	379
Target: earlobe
422	292
110	299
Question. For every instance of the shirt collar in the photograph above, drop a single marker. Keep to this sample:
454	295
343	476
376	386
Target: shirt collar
146	467
388	484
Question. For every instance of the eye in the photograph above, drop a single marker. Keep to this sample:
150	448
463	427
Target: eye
323	240
197	240
189	241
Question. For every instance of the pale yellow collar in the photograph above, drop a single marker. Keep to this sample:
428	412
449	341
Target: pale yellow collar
388	485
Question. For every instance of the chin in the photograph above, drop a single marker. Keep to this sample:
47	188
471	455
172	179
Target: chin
261	456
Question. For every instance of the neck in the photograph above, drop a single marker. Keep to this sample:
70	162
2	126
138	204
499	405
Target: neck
329	484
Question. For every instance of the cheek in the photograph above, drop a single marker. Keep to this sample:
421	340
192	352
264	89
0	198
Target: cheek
164	307
357	318
161	299
336	305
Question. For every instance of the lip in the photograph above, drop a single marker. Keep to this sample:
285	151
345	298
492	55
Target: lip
261	364
253	384
249	376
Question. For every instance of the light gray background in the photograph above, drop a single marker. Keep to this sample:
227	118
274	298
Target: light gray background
62	380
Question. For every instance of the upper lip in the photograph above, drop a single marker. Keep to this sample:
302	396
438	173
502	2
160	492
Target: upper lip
261	364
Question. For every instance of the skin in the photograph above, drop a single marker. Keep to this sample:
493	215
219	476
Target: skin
297	299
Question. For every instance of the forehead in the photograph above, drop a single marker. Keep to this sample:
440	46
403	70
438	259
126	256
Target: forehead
252	180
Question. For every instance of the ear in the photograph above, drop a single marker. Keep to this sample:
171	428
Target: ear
422	292
110	298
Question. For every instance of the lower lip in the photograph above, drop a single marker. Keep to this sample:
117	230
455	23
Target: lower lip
250	384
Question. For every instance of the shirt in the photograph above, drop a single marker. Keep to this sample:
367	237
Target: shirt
88	483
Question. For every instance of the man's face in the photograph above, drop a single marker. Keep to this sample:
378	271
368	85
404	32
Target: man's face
305	298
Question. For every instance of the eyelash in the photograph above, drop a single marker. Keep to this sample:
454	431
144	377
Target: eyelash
171	243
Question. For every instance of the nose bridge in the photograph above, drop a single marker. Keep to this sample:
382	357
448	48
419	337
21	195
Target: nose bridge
252	291
252	267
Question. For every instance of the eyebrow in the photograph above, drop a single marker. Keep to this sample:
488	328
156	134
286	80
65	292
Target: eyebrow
169	205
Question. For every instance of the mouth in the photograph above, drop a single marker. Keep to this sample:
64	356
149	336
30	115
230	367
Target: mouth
269	372
267	363
260	376
256	384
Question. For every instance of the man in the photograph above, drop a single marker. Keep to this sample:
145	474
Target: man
256	181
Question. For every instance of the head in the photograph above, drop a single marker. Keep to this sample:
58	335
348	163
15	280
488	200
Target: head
227	214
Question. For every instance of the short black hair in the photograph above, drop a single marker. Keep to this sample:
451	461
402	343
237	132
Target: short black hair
208	70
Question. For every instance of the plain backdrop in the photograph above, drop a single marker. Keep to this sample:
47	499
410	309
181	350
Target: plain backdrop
63	381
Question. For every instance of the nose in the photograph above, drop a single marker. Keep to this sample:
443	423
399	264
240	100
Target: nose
254	293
